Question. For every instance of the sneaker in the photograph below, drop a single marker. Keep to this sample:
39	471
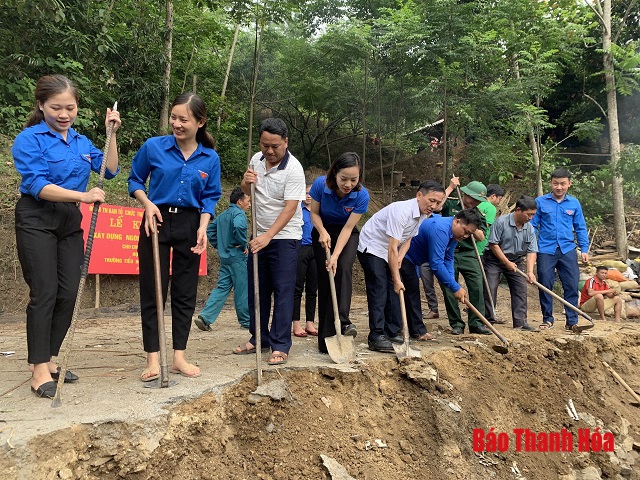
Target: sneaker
201	324
349	330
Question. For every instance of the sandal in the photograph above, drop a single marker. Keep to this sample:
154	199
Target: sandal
278	358
194	373
150	374
545	326
248	350
46	390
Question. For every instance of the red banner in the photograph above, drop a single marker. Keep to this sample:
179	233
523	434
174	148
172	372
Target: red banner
115	243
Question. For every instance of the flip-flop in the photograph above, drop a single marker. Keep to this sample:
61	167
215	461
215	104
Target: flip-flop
152	376
244	351
300	334
180	372
46	390
281	355
545	326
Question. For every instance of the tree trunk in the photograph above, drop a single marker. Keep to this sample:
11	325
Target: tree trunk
444	141
379	136
163	122
364	115
619	222
534	145
226	74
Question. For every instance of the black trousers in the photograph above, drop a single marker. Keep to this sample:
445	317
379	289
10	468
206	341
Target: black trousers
343	282
177	234
307	280
382	301
51	251
413	307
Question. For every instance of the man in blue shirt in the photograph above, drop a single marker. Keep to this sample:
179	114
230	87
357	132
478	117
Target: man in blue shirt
228	234
558	218
435	243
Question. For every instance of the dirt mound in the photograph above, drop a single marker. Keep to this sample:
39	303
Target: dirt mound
383	420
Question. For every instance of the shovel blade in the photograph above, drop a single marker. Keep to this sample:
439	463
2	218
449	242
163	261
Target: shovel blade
341	349
405	351
581	328
157	383
500	349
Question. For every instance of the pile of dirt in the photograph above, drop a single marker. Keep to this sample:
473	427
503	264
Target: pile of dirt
383	419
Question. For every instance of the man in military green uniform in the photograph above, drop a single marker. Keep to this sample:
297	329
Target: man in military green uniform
466	261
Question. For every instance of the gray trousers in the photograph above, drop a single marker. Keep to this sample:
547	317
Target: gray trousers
517	288
426	274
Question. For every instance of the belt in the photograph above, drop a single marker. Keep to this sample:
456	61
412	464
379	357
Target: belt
176	210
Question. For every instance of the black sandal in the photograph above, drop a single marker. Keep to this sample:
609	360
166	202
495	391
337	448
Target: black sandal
46	390
69	376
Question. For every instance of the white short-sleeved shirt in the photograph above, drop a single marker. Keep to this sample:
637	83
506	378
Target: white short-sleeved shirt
273	188
398	220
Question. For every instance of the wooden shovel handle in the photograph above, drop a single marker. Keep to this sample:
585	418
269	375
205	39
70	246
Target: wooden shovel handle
486	322
557	297
622	382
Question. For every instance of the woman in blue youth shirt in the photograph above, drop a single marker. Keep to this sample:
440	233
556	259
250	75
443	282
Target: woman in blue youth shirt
338	200
54	162
184	187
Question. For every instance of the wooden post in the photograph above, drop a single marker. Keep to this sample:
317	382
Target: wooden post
97	305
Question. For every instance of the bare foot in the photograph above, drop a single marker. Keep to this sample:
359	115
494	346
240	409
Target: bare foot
311	329
181	366
152	371
185	369
53	367
40	375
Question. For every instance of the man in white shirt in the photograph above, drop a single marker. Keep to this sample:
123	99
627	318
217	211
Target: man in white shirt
280	187
384	241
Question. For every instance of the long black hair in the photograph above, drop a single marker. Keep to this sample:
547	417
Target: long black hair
196	106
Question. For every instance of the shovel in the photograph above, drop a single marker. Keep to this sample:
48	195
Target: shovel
404	350
84	272
624	384
574	328
163	381
496	348
341	349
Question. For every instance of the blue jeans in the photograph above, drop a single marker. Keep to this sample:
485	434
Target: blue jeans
566	264
277	265
234	276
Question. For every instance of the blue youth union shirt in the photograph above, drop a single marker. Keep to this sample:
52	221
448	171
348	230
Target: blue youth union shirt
176	181
44	158
334	210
